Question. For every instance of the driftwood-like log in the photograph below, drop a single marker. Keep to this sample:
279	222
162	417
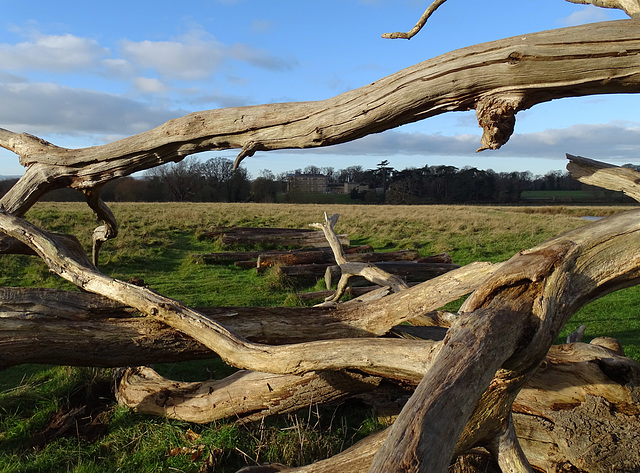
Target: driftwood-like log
79	328
464	401
604	175
509	75
371	273
579	412
564	273
244	395
318	257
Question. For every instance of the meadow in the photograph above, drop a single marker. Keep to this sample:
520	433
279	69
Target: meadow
157	243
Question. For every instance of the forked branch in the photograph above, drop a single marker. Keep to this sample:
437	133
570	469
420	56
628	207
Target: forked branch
348	270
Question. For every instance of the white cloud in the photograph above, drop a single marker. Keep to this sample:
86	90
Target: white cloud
43	108
197	56
607	142
588	14
147	85
260	58
119	68
57	53
192	58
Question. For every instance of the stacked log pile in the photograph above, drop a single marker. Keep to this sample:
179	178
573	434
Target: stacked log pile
302	237
313	259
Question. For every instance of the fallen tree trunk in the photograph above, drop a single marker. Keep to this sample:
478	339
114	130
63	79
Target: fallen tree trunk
245	396
562	272
509	75
580	393
79	328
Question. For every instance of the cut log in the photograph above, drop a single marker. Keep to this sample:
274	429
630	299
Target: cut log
303	275
293	258
302	237
444	258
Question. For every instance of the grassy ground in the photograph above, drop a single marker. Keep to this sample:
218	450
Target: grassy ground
156	242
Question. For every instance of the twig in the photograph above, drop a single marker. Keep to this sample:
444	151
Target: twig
421	22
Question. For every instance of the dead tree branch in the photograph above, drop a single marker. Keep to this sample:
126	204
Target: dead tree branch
605	175
421	22
520	72
369	271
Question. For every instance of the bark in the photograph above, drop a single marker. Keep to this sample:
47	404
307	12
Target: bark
370	272
539	290
536	291
596	173
78	328
581	391
471	378
246	396
410	271
319	257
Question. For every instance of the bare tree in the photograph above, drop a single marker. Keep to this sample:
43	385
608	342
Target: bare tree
470	384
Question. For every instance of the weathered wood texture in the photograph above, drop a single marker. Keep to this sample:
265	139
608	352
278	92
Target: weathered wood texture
578	413
508	75
245	395
78	328
533	294
410	271
505	328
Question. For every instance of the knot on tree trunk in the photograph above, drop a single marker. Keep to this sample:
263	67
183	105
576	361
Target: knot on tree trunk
497	117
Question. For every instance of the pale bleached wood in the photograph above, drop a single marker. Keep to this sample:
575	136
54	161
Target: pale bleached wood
510	75
607	176
569	376
549	283
383	357
40	325
369	271
245	396
567	270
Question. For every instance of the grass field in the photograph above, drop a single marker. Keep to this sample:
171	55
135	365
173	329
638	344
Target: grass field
156	243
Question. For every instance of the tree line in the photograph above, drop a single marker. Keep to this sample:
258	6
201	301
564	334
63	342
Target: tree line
215	180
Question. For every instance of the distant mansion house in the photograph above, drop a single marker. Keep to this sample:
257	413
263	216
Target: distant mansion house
317	183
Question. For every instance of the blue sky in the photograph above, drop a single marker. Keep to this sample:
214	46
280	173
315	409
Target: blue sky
81	73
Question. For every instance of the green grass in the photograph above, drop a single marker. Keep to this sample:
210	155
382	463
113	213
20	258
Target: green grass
156	243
